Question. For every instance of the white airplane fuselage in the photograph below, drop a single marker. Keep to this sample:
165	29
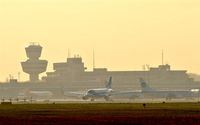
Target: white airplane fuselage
98	93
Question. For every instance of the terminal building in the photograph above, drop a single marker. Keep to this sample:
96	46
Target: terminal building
73	74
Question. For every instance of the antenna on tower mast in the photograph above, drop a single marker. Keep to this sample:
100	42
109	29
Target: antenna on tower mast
69	54
19	76
93	60
162	57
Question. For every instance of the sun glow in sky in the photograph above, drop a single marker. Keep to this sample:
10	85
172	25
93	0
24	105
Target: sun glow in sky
125	34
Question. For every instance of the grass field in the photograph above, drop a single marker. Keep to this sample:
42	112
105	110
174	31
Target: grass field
101	113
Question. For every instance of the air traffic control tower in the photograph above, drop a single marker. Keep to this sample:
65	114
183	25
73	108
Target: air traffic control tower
34	66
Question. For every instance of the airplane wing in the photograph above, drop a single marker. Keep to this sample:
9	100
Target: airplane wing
74	94
125	94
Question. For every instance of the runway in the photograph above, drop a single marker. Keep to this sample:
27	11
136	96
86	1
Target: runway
72	100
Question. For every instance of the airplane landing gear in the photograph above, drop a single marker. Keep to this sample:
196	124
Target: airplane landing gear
107	98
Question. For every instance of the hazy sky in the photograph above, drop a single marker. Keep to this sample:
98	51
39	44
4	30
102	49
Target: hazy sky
125	34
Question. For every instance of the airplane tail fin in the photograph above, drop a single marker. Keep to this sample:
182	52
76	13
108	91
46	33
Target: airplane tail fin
109	84
144	85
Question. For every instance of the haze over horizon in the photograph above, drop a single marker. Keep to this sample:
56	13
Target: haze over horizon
124	34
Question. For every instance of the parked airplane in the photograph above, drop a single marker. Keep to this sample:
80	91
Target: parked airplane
93	94
147	91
